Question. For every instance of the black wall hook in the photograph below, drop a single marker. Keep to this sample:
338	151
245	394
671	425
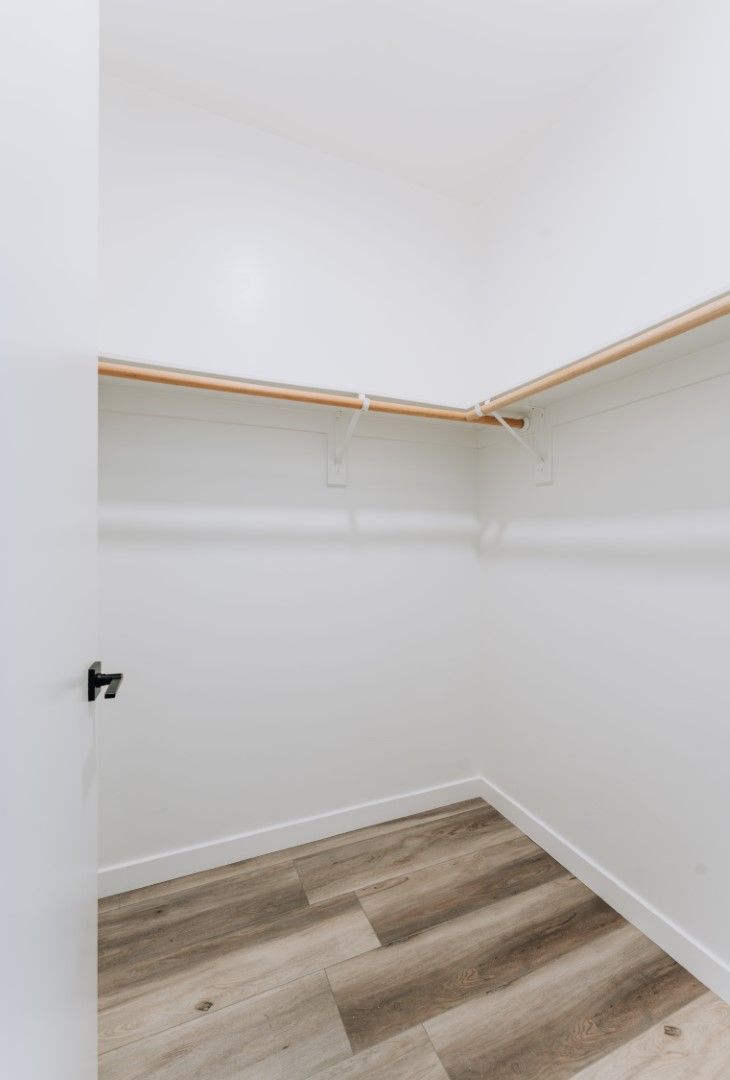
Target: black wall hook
97	680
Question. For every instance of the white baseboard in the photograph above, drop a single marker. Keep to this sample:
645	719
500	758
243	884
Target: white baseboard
173	864
683	947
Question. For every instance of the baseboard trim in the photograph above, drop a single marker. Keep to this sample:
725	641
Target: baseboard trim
683	947
122	877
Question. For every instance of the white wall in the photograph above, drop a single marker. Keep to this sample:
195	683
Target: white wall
604	663
48	210
289	649
615	218
229	250
604	660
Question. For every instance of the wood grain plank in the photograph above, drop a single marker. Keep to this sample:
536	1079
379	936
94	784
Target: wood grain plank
564	1015
364	862
152	930
153	893
690	1044
210	976
161	890
396	987
401	907
406	1057
285	1034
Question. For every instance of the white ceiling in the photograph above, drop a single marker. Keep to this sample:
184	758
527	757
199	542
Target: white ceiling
439	92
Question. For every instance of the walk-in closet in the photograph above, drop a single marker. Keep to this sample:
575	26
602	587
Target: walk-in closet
368	540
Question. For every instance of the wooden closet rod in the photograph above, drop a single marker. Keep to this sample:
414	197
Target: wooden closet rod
654	335
283	393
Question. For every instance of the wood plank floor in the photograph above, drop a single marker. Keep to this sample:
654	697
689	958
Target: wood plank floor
443	946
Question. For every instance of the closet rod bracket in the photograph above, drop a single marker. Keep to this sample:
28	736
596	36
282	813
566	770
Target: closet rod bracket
338	442
537	443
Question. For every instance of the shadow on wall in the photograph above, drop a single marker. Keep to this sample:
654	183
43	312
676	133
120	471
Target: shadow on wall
143	524
700	538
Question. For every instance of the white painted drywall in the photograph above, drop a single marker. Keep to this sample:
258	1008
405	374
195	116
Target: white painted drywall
48	410
439	93
604	663
289	649
605	595
225	249
615	218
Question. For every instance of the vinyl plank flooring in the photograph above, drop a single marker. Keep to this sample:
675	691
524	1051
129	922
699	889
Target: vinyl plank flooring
192	984
565	1015
364	862
406	1057
285	1034
151	930
441	946
385	992
135	970
400	907
690	1044
153	893
373	832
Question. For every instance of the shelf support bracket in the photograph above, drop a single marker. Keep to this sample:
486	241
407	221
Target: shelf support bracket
338	443
538	444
